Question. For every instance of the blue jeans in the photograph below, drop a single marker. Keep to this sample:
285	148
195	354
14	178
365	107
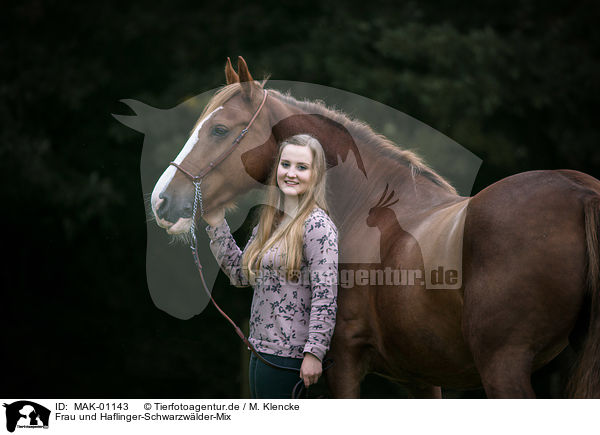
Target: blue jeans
271	383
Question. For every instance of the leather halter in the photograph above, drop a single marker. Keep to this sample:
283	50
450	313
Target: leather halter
225	154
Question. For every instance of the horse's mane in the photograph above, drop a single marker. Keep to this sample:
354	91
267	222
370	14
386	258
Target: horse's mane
358	129
363	132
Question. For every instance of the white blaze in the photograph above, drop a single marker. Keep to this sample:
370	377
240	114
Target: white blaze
170	172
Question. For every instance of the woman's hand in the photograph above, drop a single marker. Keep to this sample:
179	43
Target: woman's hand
215	217
311	369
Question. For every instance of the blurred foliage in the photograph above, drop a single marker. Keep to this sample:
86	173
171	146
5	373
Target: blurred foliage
515	82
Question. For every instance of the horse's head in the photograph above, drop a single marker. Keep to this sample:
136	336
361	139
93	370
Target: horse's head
381	212
228	169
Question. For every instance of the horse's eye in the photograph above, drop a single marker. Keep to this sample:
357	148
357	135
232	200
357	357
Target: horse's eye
220	130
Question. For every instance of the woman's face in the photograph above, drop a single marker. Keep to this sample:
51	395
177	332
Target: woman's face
294	170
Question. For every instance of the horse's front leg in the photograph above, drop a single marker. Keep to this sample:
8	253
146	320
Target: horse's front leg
350	365
344	377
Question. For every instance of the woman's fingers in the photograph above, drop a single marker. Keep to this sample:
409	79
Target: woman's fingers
310	379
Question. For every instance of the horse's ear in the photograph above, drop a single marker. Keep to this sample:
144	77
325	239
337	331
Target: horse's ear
230	73
246	79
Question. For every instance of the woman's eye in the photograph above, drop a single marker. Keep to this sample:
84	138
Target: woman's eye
220	130
302	167
285	165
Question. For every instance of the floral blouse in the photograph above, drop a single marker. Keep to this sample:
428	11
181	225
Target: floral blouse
288	316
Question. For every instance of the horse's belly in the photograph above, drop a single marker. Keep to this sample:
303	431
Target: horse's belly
421	338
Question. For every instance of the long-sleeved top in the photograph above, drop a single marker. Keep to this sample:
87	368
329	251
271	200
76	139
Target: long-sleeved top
288	316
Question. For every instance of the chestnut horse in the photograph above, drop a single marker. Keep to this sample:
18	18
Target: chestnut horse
528	263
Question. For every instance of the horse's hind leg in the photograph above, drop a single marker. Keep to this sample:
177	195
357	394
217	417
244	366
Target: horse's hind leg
505	332
511	328
506	373
501	343
524	264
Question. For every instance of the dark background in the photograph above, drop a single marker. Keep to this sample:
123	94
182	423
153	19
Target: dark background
515	82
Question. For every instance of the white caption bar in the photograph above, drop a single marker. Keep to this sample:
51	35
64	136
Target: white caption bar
183	416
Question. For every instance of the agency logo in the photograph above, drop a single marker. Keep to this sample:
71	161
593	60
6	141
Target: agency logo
377	208
26	415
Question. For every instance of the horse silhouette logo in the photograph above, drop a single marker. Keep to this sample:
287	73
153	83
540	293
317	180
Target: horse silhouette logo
361	163
26	414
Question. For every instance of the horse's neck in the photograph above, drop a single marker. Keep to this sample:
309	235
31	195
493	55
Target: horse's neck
360	172
353	194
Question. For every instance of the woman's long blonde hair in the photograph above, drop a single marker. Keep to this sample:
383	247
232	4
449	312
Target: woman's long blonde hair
291	233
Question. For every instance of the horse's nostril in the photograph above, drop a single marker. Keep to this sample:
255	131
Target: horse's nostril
163	205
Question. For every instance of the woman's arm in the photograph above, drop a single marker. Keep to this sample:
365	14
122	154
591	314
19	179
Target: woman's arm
227	252
321	253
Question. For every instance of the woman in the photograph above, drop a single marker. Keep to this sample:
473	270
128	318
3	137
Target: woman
291	262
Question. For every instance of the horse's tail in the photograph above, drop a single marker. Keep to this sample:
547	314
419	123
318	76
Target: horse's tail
585	379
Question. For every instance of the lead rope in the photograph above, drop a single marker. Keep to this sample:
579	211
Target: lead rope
299	387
